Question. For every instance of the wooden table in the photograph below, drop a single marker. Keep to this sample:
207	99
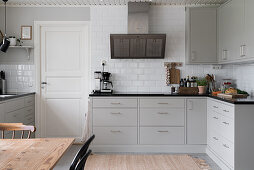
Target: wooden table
40	153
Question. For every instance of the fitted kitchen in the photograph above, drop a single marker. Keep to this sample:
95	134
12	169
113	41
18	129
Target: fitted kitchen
140	84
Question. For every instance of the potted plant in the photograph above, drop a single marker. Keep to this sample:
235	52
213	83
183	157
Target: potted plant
202	85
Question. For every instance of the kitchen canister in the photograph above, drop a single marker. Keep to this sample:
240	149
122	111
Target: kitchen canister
13	41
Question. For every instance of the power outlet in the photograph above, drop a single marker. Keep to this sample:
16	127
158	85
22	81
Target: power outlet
103	62
217	67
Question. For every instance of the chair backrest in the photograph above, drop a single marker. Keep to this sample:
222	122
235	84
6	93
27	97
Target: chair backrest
81	153
82	162
16	127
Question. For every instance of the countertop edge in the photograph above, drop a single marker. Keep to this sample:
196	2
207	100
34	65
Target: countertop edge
16	96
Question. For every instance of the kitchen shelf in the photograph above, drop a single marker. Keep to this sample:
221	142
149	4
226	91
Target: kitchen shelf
27	48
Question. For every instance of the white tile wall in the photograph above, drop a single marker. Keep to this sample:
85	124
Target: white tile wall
140	75
20	78
143	75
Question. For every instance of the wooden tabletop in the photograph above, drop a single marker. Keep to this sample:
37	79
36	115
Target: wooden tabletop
40	153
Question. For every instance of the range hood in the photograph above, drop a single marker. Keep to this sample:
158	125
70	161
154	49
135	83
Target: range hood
138	17
138	43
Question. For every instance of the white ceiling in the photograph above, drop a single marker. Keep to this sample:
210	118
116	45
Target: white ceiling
108	2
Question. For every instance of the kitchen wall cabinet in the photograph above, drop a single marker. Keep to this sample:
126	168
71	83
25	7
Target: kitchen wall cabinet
196	121
201	33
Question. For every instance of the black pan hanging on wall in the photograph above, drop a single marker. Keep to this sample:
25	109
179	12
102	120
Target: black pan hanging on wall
5	43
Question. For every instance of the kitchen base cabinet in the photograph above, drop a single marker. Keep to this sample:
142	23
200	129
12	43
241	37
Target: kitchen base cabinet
18	110
229	127
145	124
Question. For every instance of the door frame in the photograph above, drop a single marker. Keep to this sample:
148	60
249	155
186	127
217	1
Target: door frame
37	63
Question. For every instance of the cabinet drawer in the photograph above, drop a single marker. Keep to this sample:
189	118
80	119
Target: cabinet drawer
115	135
227	128
29	101
115	103
221	108
162	103
227	151
15	116
162	117
213	120
161	135
14	105
115	117
214	142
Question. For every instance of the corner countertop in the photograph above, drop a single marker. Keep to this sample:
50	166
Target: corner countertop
249	100
15	95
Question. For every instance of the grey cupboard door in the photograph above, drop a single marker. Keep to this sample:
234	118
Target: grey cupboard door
121	48
137	47
154	48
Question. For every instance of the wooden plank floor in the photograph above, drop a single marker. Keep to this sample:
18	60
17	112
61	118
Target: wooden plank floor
141	162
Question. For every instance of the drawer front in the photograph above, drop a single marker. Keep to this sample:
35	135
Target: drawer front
227	128
115	117
15	116
213	120
221	108
29	101
115	102
214	142
162	117
115	135
162	103
14	105
161	135
227	151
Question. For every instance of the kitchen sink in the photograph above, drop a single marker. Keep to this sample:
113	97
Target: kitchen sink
6	95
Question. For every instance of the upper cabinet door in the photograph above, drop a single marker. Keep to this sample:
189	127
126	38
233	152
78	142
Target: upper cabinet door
121	47
201	35
231	31
248	49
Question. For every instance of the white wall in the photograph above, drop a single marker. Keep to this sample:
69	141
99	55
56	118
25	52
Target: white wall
128	75
143	75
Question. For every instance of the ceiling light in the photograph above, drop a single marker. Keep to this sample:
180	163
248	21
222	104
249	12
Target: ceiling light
5	43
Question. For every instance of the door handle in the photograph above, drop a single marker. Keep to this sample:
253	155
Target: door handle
44	82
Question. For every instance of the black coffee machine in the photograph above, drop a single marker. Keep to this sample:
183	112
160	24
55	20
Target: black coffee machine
106	84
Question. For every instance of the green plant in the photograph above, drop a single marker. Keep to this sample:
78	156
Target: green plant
202	82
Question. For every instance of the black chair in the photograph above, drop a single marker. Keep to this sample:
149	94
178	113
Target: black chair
81	153
82	162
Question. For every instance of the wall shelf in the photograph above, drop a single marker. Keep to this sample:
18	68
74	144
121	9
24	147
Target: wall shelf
27	48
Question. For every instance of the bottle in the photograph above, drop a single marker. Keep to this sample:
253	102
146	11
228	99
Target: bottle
188	82
181	83
185	82
192	82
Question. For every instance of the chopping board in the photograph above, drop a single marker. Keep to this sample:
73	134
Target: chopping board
174	74
232	96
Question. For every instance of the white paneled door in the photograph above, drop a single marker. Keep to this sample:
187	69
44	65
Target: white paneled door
64	80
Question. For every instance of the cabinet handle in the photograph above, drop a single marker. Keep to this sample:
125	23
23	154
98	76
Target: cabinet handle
226	111
116	113
115	131
162	113
216	107
115	103
224	54
226	146
162	131
162	103
242	51
216	118
226	123
215	138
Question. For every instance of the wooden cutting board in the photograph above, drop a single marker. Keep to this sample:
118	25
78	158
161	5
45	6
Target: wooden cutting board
174	74
232	96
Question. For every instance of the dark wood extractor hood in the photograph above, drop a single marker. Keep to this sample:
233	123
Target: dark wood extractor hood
137	46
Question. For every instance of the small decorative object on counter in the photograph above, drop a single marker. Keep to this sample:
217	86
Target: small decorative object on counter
210	82
13	40
172	73
202	83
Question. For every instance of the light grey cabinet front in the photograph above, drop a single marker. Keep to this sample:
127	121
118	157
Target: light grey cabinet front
196	121
121	47
201	35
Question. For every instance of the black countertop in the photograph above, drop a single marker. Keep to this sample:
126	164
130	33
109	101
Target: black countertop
249	100
15	95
